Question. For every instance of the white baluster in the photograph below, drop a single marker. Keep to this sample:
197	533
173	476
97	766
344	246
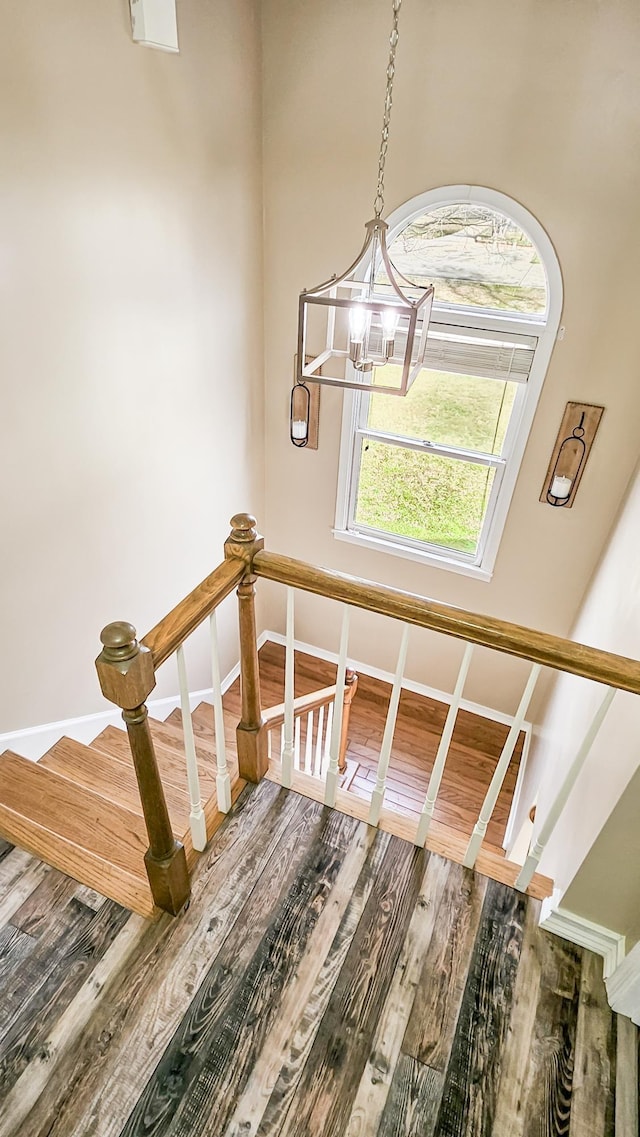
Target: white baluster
333	772
389	727
269	745
488	805
317	761
327	740
197	822
308	743
223	781
296	744
443	750
288	742
538	846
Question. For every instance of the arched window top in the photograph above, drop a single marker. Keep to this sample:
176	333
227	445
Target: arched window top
480	249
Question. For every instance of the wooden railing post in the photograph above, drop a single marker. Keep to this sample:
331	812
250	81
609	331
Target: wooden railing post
126	674
253	761
351	682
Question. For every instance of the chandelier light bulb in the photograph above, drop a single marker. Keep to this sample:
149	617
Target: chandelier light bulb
359	324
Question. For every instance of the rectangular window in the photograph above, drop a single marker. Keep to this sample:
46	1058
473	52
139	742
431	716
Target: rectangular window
426	469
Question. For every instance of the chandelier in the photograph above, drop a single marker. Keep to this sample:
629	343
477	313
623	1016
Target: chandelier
366	327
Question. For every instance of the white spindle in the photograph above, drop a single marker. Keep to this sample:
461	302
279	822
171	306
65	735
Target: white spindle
197	822
538	846
308	742
443	750
488	805
288	740
333	772
317	760
296	744
269	745
377	796
223	781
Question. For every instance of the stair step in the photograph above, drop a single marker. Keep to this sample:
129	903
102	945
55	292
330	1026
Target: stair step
98	843
171	761
112	779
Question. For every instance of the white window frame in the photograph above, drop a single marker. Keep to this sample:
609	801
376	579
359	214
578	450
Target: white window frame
545	330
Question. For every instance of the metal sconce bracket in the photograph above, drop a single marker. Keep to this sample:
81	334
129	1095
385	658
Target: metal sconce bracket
577	432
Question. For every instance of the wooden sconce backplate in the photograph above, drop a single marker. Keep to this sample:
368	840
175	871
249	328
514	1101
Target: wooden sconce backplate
571	419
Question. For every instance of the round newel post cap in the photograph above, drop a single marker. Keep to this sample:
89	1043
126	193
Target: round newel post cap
119	640
243	527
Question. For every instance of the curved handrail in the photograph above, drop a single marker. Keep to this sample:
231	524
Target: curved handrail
488	631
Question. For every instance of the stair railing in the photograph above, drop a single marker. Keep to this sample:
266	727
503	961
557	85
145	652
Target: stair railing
313	718
127	675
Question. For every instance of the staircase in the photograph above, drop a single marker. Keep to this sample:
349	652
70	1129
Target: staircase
79	809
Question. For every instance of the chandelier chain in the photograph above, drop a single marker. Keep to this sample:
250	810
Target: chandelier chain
378	204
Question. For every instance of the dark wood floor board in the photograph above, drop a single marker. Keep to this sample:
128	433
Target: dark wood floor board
91	935
547	1089
593	1088
308	991
14	947
20	874
34	916
96	1088
333	1070
229	1019
369	1104
5	848
511	1102
412	1105
280	1002
627	1096
302	1039
473	1072
434	1015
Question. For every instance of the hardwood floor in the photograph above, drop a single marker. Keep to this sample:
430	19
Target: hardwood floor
473	754
328	980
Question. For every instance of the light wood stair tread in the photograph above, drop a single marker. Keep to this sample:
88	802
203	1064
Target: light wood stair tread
95	841
112	779
171	762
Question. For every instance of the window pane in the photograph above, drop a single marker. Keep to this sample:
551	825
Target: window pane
426	497
453	410
473	256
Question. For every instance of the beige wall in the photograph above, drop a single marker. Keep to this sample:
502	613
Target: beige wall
609	619
130	307
541	101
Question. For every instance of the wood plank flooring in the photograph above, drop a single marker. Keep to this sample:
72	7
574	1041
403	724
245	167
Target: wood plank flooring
328	980
473	754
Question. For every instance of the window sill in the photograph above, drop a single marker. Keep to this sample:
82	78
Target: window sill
431	559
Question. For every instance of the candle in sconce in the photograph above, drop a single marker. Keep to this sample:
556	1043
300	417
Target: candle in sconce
299	429
561	487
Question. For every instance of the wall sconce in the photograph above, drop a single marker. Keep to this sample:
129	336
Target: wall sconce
304	414
573	446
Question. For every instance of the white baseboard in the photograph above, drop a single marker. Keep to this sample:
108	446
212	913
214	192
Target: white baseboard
610	945
623	986
35	741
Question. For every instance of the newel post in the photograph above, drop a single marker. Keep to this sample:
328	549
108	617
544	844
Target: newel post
253	762
351	683
126	674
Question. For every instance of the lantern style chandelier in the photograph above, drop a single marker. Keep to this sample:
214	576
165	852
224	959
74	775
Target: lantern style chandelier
368	326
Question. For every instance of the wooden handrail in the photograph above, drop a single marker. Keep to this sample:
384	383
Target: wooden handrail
304	704
181	621
488	631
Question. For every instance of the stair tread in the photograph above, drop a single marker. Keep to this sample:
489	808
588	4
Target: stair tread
98	843
171	762
112	779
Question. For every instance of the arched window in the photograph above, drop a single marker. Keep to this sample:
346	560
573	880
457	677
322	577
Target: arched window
430	476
